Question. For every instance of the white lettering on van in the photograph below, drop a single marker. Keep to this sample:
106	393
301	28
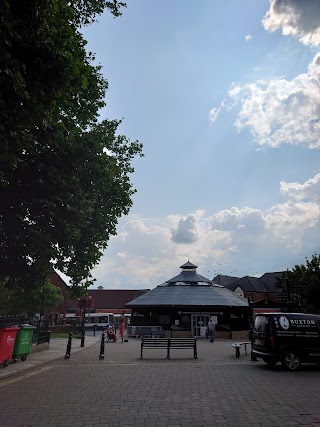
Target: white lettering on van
302	322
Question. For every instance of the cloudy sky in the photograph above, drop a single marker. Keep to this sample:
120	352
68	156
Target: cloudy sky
225	98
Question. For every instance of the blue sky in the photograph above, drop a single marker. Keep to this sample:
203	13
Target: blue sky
225	98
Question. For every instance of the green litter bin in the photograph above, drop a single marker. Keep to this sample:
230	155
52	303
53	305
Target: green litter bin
23	342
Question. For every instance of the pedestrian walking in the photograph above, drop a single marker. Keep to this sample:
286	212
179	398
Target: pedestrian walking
122	327
211	330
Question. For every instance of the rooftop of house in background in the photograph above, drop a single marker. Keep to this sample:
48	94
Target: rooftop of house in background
113	300
222	280
264	284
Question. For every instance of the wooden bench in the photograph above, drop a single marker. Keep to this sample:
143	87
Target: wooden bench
151	343
237	346
182	343
168	344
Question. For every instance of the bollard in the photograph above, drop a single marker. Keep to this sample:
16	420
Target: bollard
101	356
67	355
83	332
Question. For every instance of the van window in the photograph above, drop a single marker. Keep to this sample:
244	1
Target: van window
261	324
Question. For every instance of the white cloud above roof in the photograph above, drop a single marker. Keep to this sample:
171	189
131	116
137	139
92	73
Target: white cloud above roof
259	207
186	231
297	18
278	111
309	190
225	242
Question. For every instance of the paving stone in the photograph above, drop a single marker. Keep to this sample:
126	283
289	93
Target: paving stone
217	389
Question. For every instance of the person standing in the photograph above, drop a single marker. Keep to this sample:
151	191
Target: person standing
211	330
122	328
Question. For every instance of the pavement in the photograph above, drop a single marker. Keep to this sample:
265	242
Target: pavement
122	390
57	350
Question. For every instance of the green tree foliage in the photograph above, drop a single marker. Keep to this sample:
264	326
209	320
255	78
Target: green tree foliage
20	300
64	173
300	287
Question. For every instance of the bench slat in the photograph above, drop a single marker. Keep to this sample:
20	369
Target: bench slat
169	343
153	343
182	343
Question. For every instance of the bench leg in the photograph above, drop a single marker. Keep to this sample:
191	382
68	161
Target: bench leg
245	348
238	352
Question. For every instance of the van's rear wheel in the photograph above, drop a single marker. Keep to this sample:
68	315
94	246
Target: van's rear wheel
291	360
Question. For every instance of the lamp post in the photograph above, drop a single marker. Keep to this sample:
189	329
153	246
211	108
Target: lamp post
84	303
41	307
82	309
253	358
286	280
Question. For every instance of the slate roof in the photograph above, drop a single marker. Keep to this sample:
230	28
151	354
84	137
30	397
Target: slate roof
222	280
189	295
270	280
189	289
263	284
248	284
188	264
190	277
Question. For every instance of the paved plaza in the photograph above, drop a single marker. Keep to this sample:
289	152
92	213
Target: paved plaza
217	389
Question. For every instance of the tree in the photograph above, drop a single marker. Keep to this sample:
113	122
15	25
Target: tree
21	301
64	174
300	287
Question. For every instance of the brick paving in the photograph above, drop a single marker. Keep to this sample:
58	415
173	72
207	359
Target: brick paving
217	389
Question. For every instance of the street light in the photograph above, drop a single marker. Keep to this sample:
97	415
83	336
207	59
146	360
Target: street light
286	280
82	312
253	358
84	303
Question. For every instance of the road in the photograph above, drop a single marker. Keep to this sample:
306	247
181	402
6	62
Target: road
217	389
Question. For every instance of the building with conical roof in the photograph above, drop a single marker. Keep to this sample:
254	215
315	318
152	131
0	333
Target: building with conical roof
187	302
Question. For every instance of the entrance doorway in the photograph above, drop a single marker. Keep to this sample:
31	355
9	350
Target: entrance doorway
199	324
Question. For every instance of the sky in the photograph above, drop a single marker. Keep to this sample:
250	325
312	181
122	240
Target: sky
224	96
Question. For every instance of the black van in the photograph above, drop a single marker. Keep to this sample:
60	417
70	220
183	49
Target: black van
291	338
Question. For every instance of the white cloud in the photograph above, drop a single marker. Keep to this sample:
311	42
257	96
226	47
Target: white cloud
309	190
236	219
235	241
186	230
248	37
227	104
121	255
279	111
298	18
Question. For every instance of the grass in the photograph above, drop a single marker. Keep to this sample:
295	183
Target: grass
63	335
59	335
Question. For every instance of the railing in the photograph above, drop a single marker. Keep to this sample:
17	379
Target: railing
40	337
41	333
141	331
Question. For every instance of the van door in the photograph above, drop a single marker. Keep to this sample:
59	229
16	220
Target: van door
312	345
261	332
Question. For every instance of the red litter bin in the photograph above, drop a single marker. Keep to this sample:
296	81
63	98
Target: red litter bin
7	340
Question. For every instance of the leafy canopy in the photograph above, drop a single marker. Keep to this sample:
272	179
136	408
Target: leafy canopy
19	300
300	287
64	174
